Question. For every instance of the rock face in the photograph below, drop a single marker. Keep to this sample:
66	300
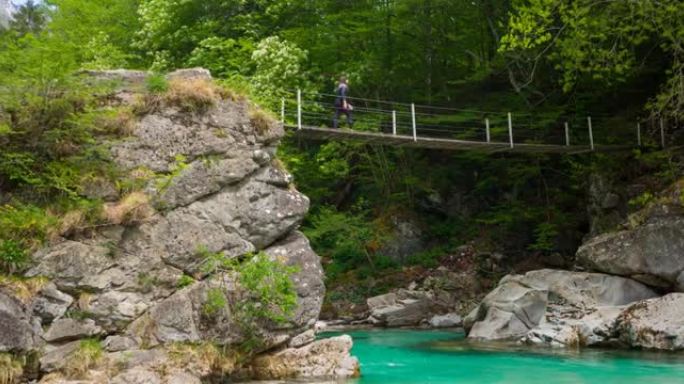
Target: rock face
554	307
216	188
654	324
652	252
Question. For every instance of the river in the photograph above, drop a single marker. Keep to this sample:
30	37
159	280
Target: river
416	356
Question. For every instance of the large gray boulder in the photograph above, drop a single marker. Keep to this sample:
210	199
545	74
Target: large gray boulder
554	307
401	308
327	358
654	324
209	184
652	252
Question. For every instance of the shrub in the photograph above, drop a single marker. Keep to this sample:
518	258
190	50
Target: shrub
13	256
26	224
265	292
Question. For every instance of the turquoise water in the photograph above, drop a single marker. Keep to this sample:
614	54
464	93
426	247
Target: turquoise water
408	357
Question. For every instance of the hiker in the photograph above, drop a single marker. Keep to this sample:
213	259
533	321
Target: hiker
341	103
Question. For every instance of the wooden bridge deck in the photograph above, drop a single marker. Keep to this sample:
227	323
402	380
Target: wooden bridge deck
318	133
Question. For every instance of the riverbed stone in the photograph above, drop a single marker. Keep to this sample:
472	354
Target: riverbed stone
554	307
401	308
446	321
656	323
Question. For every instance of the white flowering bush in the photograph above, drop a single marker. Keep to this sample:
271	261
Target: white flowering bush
279	68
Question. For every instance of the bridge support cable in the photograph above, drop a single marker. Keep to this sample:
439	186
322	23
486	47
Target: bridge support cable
638	134
488	132
394	123
591	133
299	109
510	129
662	133
567	134
413	117
282	110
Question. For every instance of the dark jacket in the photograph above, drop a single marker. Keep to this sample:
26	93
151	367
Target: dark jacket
341	95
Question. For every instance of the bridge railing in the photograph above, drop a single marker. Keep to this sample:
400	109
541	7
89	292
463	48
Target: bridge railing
313	109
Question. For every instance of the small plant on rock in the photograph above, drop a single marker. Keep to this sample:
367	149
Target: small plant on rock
88	355
185	281
264	291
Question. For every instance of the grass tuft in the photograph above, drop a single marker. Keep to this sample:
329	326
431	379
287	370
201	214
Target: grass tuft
88	355
11	369
193	95
261	120
132	209
24	289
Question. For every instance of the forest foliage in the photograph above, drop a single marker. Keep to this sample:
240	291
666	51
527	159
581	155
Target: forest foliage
547	57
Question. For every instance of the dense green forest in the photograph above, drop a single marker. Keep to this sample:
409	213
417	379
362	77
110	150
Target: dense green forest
555	59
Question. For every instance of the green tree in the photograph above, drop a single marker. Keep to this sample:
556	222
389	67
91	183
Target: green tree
607	43
30	18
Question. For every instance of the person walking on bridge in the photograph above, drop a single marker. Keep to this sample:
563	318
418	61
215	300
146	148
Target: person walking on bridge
342	105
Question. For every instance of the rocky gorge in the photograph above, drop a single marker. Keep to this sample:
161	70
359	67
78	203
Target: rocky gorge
631	299
623	289
128	301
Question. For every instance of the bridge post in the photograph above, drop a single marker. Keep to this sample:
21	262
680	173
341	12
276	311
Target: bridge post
282	110
413	116
299	109
638	134
662	133
567	134
394	123
510	129
591	133
487	131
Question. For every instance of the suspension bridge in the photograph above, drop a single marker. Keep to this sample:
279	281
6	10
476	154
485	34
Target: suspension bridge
391	123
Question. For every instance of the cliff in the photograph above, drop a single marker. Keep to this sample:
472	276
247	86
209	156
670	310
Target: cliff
200	265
